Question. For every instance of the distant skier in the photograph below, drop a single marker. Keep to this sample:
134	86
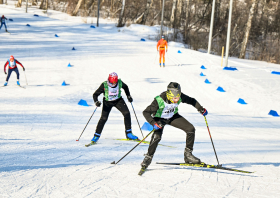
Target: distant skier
164	111
162	47
12	62
112	98
3	18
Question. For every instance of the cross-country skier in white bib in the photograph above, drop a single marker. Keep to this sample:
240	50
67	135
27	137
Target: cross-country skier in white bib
112	98
164	111
12	62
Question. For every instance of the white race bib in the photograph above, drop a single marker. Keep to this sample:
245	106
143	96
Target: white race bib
113	93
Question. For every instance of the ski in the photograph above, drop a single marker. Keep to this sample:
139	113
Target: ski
90	144
17	85
21	86
203	165
145	142
142	171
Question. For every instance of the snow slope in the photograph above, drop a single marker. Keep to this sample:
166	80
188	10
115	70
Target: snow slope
39	125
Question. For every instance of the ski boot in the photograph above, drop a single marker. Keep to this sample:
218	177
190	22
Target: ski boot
147	161
163	64
190	158
144	165
18	83
95	139
6	83
160	64
130	136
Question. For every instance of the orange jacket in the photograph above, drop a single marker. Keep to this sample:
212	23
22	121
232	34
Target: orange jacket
162	44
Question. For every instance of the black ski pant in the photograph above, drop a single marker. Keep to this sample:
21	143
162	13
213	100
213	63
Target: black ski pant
10	71
107	107
177	121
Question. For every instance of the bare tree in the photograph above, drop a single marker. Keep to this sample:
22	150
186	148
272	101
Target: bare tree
120	23
42	4
187	3
74	13
112	6
19	3
248	28
173	13
146	13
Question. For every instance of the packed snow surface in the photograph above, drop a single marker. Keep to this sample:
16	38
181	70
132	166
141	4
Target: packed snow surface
39	125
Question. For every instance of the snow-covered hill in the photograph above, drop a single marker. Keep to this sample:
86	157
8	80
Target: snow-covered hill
39	125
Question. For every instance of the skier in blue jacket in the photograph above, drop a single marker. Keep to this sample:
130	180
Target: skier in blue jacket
2	19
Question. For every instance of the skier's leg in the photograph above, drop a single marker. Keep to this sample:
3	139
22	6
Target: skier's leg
106	109
156	137
163	57
122	107
9	74
16	70
181	123
5	26
160	57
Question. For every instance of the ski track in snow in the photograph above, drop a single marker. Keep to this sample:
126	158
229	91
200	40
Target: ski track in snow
39	124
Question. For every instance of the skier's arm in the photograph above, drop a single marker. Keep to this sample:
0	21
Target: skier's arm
166	45
191	101
19	63
151	110
125	87
99	91
5	66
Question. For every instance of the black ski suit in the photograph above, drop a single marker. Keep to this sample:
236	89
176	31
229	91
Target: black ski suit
176	120
107	107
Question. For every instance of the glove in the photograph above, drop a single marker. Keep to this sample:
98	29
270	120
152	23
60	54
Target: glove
6	73
129	98
166	50
158	125
23	69
97	103
203	111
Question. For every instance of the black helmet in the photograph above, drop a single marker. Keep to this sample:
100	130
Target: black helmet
173	90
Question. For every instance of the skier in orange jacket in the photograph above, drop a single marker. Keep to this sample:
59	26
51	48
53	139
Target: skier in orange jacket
161	47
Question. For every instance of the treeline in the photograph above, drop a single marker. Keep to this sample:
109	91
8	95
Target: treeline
255	27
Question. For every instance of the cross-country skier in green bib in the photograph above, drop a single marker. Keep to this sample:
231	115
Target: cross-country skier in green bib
112	98
164	111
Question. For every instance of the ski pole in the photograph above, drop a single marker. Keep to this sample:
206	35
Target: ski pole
25	78
212	141
86	124
133	148
137	120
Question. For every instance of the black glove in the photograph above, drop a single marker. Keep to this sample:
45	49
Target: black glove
23	69
6	73
203	111
129	98
97	103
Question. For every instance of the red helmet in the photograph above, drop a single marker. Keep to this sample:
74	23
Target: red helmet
12	57
2	16
112	79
